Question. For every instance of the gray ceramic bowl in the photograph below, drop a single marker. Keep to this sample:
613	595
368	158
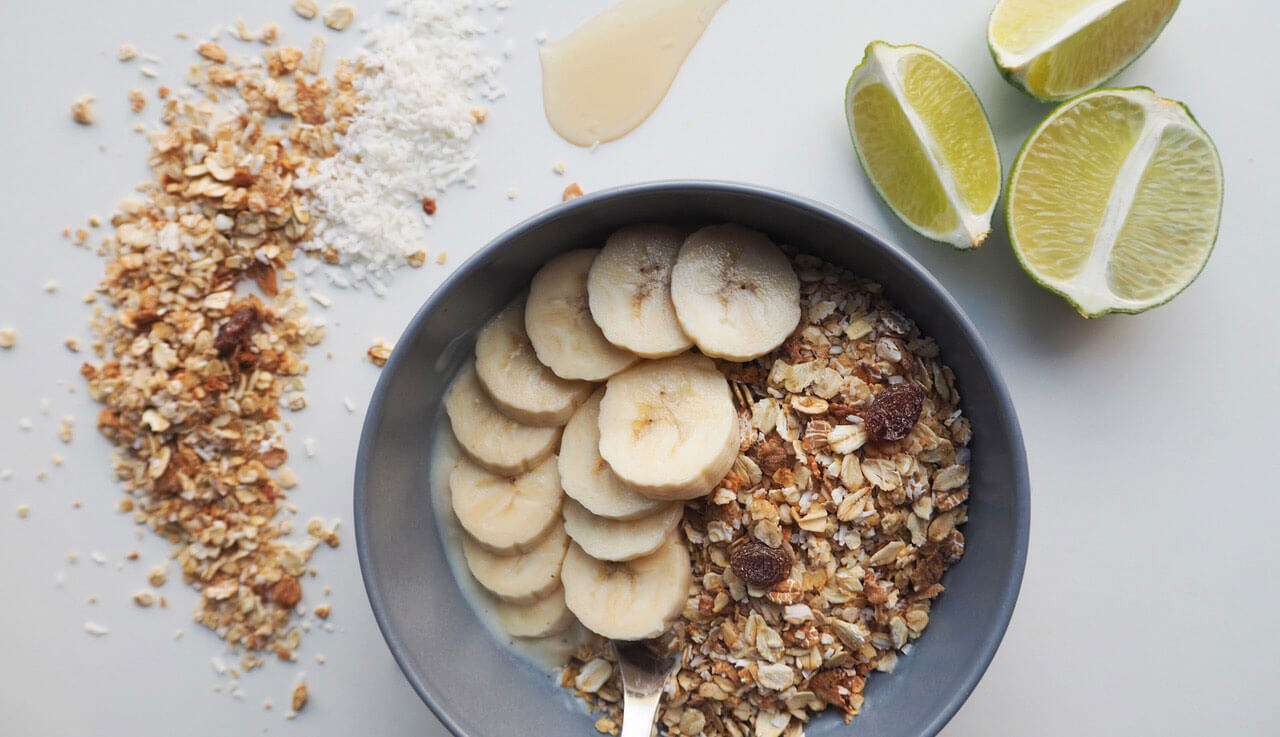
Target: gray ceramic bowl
475	686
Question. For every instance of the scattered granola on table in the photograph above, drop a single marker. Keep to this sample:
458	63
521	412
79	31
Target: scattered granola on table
194	369
817	560
82	110
379	352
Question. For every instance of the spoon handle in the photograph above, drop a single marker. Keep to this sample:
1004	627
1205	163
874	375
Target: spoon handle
639	711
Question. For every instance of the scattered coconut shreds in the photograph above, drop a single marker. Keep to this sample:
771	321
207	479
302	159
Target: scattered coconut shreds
95	629
8	338
193	374
24	510
418	80
127	52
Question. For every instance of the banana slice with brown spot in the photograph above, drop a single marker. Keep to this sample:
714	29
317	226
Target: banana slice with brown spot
517	382
634	600
506	514
492	439
735	292
668	427
629	290
587	478
544	617
557	317
619	540
522	578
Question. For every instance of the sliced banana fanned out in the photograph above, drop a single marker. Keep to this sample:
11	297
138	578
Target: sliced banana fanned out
558	320
735	292
544	617
587	478
506	515
494	440
618	540
629	290
522	578
521	387
634	600
668	427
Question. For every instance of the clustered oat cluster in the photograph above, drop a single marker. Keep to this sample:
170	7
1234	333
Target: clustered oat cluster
192	374
843	511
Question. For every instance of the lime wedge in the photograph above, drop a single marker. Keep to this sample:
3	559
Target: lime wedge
925	142
1057	49
1114	201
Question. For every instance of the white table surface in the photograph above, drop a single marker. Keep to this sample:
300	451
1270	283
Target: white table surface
1150	597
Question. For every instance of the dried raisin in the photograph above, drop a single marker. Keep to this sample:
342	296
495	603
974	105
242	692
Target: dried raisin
234	331
759	565
894	412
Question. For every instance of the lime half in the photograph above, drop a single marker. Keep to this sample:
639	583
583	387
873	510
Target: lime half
1114	201
925	142
1056	49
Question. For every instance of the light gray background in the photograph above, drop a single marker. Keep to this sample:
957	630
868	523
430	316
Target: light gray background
1150	596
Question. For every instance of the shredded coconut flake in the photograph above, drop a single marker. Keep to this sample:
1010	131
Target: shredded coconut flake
411	137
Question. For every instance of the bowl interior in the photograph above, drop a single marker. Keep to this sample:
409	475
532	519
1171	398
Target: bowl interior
476	686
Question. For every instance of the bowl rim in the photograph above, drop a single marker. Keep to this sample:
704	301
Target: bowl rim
1018	457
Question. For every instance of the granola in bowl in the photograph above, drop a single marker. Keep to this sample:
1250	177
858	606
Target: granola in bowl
846	498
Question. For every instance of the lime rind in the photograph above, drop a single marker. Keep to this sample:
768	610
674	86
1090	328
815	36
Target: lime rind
1015	74
1119	307
973	228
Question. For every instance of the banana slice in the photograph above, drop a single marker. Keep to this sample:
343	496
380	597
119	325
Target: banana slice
587	478
629	290
494	440
544	617
735	293
558	320
506	515
619	539
634	600
522	578
668	427
520	386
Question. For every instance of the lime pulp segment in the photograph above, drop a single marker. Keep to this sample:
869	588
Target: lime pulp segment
1115	200
925	142
1055	49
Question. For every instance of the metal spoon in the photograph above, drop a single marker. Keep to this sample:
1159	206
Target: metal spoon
645	670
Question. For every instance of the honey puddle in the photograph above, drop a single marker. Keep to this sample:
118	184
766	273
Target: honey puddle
605	78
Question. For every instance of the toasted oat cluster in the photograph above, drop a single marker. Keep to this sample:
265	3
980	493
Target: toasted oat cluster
816	560
192	374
